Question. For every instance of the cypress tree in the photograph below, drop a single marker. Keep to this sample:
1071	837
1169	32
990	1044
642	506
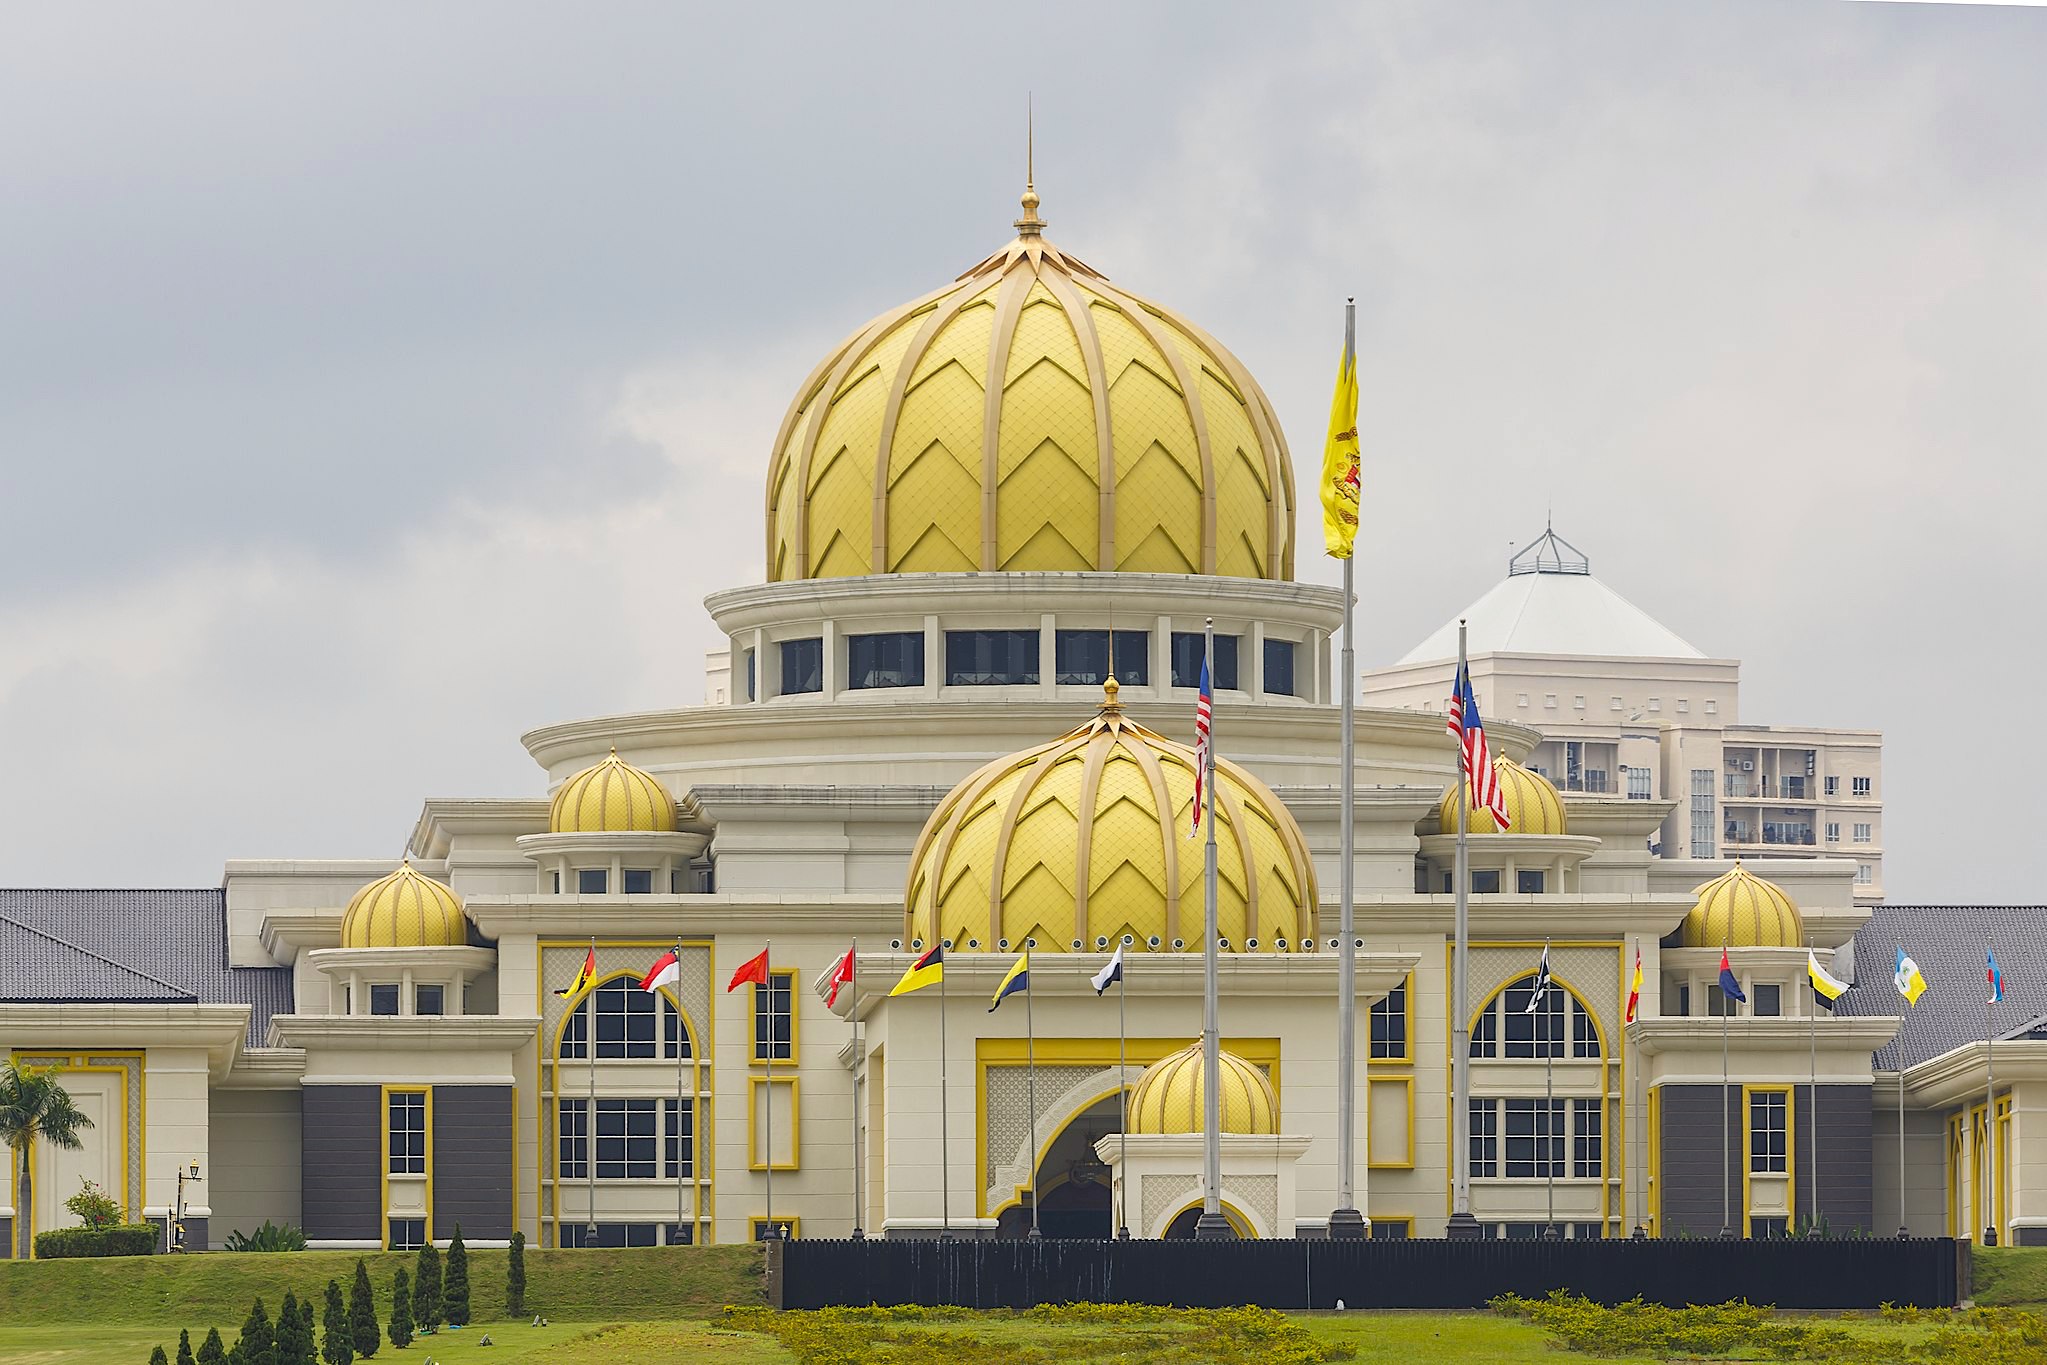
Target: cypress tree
258	1344
515	1278
210	1350
401	1311
157	1357
455	1283
339	1346
286	1350
426	1290
185	1348
309	1323
362	1313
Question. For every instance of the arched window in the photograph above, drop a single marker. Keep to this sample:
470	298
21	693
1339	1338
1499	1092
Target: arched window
629	1020
1559	1027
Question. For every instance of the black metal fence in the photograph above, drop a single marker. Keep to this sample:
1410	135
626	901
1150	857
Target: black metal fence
1847	1273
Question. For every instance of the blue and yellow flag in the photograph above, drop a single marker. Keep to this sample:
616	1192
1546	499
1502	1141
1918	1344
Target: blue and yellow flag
1341	480
1018	979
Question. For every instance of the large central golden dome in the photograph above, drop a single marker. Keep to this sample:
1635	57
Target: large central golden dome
1030	416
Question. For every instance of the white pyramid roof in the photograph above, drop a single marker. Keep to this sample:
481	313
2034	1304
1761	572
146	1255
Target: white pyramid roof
1550	603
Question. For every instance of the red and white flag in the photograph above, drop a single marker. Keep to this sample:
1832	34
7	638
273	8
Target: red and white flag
663	973
842	975
1204	710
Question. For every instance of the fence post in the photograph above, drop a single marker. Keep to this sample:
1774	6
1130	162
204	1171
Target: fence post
772	1271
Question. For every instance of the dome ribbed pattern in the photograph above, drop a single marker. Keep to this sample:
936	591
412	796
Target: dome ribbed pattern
1533	804
1168	1097
1030	416
406	909
611	798
1741	910
1086	838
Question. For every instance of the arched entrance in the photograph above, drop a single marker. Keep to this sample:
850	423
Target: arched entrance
1075	1199
1182	1226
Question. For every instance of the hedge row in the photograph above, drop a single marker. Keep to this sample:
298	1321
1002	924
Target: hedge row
123	1239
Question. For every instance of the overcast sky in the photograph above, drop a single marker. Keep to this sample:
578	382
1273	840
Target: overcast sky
377	383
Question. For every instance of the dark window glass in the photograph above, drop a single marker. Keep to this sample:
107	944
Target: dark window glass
802	666
772	1026
1584	1033
1187	660
1485	1035
639	881
577	1234
761	1226
1389	1025
1485	1138
1535	1139
572	1128
1586	1152
1769	1228
557	882
752	683
406	1234
1081	656
426	999
1485	881
894	660
679	1139
1684	1001
1279	667
1540	1034
1766	1000
1767	1119
627	1140
591	881
1385	1230
1531	882
626	1024
979	658
408	1132
383	1000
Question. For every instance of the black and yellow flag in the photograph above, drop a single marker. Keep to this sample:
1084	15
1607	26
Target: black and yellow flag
1340	477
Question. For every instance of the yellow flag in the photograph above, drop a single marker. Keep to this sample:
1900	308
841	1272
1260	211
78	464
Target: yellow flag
1340	477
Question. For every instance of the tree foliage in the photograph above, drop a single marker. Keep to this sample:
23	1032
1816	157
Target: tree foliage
426	1290
515	1278
455	1283
362	1313
33	1106
338	1347
211	1352
400	1330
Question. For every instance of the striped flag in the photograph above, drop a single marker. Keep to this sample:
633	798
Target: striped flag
1538	996
1480	779
1995	974
1635	991
1204	708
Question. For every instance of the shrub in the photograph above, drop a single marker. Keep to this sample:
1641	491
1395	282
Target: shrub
93	1207
185	1348
338	1347
157	1357
426	1290
455	1283
362	1313
515	1278
210	1350
400	1330
123	1239
258	1343
270	1237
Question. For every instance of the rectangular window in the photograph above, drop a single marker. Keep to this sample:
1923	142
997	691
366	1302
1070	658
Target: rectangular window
1081	657
802	665
1187	660
1865	875
1712	707
1683	706
1861	786
1833	831
1549	700
1769	1229
1718	1003
991	658
1861	834
752	677
1584	1033
592	881
1767	1120
1833	786
1389	1026
1684	1002
1615	705
1392	1229
1485	1138
1485	881
1530	881
1540	1034
1535	1139
627	1140
1766	1001
629	1020
638	881
427	999
1520	699
679	1139
773	1027
892	660
407	1144
1587	1161
383	1000
577	1234
406	1234
1702	812
1638	783
572	1131
1578	703
1655	704
1279	668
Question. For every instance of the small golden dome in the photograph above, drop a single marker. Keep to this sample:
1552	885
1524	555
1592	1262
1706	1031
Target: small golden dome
1030	416
611	798
1740	910
1532	803
1085	838
406	909
1167	1098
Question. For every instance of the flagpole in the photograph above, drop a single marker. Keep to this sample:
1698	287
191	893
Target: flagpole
1211	1226
1549	1118
1638	1171
1031	1081
944	1106
1903	1230
859	1193
1345	1221
1812	1044
768	1098
590	1132
680	1039
1462	1224
1726	1156
1122	1107
1990	1111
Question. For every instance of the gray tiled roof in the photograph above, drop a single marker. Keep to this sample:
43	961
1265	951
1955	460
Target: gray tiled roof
1948	942
130	946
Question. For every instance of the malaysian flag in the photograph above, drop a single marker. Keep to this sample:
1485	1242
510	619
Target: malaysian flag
1204	707
1481	781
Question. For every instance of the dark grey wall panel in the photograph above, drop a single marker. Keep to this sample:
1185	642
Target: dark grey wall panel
1690	1165
342	1150
473	1161
1838	1163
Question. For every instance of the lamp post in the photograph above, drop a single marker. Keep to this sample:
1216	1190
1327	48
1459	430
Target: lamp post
174	1235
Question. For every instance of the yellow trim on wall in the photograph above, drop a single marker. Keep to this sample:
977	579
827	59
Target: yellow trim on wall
1652	1191
1748	1132
793	1225
384	1165
132	1201
1954	1165
1236	1217
753	995
1372	1162
1406	1057
753	1150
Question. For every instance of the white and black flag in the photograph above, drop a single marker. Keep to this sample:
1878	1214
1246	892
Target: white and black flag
1538	999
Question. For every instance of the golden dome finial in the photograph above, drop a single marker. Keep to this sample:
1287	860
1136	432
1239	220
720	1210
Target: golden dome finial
1030	225
1110	689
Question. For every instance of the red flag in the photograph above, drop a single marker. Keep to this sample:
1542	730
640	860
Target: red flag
753	969
842	974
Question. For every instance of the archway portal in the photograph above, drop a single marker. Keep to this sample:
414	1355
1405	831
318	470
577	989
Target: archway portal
1075	1195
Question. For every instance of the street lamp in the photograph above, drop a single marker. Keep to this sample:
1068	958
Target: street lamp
174	1235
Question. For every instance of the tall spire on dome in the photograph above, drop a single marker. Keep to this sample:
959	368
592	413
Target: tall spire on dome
1030	225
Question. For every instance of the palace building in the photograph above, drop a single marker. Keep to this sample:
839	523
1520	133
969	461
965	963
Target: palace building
998	520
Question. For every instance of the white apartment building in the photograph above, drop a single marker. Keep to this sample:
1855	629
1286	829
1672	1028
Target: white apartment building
1626	706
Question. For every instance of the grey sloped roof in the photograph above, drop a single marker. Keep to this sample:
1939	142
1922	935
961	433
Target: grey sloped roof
1948	943
139	946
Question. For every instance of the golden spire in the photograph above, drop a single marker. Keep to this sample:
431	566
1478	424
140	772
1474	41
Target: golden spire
1030	225
1110	706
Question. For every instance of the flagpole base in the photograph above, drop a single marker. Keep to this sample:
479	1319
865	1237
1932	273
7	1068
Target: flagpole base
1213	1227
1462	1228
1726	1233
1346	1225
1640	1234
858	1235
1989	1234
1123	1234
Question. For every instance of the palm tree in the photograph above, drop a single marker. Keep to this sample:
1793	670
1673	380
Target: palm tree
33	1105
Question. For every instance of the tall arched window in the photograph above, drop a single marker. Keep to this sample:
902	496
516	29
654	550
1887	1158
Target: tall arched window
629	1022
1559	1027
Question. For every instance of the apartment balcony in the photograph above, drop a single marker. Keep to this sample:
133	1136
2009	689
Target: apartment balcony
1769	834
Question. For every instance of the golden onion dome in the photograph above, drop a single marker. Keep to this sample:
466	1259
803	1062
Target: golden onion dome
611	798
406	909
1168	1097
1741	910
1533	805
1080	841
1030	416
